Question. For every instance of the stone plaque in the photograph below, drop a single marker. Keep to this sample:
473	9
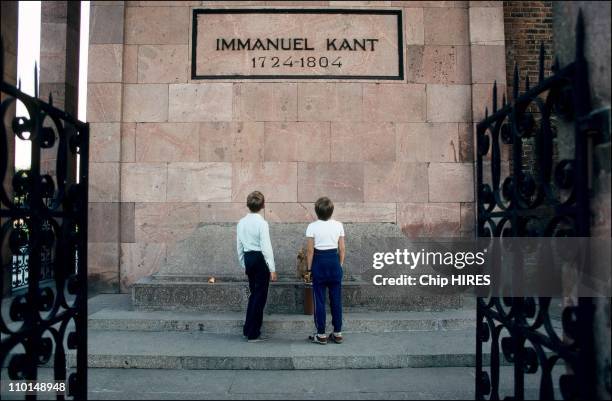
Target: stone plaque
297	44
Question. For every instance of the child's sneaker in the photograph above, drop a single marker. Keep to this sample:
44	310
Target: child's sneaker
318	339
259	339
336	337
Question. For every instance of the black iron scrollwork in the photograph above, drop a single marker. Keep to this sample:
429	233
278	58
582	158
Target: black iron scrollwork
43	238
548	198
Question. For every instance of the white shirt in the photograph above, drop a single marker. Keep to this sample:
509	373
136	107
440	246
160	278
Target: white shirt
253	234
325	233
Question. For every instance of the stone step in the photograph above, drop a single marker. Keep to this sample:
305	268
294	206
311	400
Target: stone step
195	350
231	323
189	293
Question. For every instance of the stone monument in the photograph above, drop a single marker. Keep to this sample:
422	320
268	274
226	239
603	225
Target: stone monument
193	105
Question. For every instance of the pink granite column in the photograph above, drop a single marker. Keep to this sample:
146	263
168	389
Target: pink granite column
488	61
59	63
104	108
438	177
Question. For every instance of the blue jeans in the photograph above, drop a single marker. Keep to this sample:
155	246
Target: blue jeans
327	275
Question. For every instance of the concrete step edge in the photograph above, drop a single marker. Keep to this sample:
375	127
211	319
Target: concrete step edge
279	363
109	349
232	322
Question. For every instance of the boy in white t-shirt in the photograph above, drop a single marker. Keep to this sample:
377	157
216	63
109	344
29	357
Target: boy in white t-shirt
325	255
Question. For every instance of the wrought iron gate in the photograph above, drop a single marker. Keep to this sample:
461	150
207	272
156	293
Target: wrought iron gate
530	203
43	221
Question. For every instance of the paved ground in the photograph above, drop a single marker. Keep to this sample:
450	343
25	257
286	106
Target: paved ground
341	384
423	383
120	337
232	322
173	384
97	302
176	350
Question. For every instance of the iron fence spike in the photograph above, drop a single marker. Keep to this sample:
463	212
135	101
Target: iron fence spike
1	57
33	197
580	36
542	57
524	187
517	82
35	79
495	96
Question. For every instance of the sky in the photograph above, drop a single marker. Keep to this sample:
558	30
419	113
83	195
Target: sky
28	55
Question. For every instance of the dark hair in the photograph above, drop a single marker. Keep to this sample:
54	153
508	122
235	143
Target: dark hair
255	201
324	208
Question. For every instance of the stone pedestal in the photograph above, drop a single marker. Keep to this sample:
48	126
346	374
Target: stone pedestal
182	284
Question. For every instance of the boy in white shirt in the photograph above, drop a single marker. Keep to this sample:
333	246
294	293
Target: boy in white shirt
257	259
325	254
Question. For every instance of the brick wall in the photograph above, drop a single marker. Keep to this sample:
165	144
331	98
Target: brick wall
527	24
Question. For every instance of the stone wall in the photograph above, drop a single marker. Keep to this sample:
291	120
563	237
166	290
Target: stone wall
104	105
169	154
59	53
10	13
59	64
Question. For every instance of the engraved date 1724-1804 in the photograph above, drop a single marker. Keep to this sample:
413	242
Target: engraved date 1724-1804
302	62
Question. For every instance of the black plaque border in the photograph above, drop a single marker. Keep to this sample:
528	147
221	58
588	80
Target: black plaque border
400	42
